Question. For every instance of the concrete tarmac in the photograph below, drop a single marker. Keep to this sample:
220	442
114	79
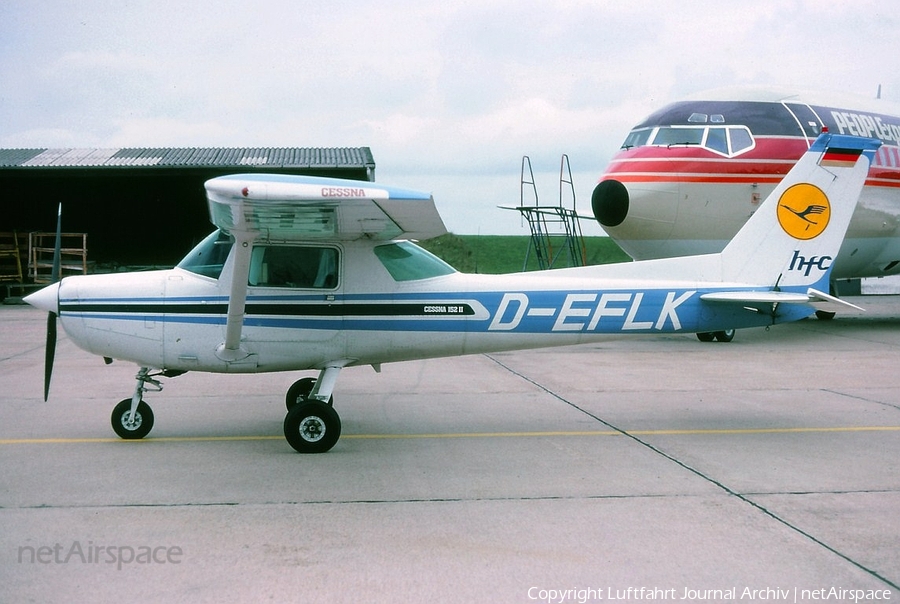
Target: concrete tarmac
642	468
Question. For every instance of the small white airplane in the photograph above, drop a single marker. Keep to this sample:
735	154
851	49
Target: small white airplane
690	174
308	273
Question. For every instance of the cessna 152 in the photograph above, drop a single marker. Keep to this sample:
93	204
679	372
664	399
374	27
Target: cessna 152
309	273
689	175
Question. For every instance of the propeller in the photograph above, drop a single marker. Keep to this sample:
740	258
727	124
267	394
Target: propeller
50	352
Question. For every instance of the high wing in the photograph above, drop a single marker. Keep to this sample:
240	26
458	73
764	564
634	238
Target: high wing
255	207
305	207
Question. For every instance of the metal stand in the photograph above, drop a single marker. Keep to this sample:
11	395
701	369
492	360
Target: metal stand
548	222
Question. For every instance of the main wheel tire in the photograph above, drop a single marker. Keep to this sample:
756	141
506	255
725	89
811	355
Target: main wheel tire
725	336
299	392
312	427
132	430
706	336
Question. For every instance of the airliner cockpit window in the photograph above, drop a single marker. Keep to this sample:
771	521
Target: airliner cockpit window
670	135
741	140
637	138
300	267
717	140
724	140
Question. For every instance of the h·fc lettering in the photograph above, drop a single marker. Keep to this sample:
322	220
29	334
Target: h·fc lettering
799	262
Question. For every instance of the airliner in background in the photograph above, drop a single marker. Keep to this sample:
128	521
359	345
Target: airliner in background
687	177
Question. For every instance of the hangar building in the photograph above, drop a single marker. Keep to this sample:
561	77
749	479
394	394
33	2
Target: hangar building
143	206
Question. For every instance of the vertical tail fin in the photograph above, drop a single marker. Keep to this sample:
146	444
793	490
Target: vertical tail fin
794	236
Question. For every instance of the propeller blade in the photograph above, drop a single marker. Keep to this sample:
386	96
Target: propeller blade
50	352
57	249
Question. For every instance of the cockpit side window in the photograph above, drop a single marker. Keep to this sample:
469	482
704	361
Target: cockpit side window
741	140
294	266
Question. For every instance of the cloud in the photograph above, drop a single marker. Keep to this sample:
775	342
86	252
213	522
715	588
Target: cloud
455	90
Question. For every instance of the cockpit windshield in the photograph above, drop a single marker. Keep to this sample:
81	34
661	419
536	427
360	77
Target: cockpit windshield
724	140
209	256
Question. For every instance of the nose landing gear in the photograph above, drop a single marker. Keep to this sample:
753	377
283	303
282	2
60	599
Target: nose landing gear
132	418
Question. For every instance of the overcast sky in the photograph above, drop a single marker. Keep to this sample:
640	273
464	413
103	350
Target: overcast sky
449	95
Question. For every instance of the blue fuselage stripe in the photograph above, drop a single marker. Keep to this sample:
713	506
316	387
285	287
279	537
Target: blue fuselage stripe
543	311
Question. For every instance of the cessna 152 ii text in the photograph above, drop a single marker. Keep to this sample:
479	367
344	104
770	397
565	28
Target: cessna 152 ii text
307	273
689	175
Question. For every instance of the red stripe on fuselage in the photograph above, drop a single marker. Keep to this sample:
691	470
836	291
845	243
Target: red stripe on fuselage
768	162
672	177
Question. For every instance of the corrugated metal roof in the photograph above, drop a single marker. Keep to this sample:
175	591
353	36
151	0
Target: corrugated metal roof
197	157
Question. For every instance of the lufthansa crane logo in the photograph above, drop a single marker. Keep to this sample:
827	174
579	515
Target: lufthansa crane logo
804	211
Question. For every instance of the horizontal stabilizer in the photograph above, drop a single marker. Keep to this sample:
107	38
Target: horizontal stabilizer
756	297
821	299
813	296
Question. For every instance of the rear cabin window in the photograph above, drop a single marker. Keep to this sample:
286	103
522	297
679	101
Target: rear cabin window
294	266
406	261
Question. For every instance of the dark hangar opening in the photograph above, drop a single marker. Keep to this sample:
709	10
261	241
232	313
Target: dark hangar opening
143	206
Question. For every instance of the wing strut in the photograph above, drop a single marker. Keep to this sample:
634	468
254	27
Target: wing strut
231	350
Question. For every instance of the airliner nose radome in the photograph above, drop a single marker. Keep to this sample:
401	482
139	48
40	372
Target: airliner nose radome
45	299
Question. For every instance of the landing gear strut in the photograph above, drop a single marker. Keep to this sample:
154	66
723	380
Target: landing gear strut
299	392
132	418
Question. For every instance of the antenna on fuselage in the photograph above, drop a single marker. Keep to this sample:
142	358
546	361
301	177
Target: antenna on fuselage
878	94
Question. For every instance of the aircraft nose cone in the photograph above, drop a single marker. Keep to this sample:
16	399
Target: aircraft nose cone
610	203
46	298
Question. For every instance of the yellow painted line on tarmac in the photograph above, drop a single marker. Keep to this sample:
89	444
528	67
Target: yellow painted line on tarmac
457	435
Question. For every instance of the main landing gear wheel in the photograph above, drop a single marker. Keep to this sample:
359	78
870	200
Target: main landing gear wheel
132	428
312	427
725	336
299	392
721	336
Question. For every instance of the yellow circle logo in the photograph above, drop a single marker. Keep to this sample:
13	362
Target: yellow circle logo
804	211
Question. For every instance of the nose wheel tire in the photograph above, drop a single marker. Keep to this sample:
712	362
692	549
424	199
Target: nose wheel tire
312	427
132	428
